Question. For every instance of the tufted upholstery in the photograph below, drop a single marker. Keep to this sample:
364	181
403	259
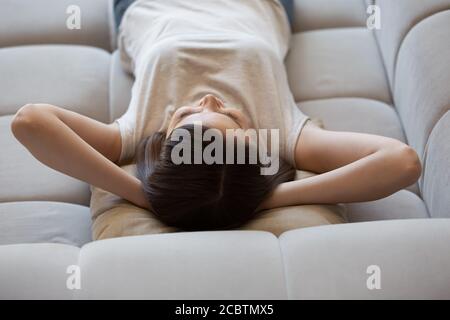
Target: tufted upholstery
392	82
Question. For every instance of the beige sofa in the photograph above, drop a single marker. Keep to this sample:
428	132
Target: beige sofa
394	82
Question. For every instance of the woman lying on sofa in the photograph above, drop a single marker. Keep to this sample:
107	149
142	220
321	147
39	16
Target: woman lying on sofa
218	64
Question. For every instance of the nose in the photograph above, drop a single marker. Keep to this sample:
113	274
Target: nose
210	101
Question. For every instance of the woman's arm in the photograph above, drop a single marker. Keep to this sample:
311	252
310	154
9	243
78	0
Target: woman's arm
78	146
351	167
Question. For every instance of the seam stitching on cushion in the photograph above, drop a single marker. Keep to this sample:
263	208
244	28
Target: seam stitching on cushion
383	63
77	263
112	26
285	275
297	101
110	88
425	156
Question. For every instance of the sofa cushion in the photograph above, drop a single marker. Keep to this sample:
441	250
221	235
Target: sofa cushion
356	115
436	173
73	77
332	262
36	271
186	265
45	22
321	14
56	222
422	94
400	205
25	178
115	217
397	19
121	83
334	63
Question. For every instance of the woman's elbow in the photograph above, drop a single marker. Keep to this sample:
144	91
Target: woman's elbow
408	164
26	120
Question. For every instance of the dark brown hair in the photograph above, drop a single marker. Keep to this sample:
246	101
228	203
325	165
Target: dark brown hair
202	196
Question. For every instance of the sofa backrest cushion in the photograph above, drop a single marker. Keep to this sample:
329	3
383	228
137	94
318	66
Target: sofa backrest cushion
435	182
398	17
48	21
422	91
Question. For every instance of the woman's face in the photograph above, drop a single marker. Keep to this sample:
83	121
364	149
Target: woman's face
212	113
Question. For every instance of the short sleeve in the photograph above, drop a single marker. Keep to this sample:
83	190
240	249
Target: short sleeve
292	136
127	135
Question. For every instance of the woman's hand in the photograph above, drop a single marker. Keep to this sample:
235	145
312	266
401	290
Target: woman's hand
78	146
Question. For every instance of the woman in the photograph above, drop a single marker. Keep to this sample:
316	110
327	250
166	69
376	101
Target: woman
217	63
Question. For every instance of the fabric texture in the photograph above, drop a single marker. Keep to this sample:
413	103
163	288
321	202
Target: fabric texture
422	94
336	262
25	22
397	19
36	270
355	114
44	221
188	265
120	85
334	63
436	177
400	205
70	76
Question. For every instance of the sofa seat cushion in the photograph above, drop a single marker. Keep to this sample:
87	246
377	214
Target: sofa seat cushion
321	14
401	205
25	178
334	63
36	270
115	217
23	22
186	265
55	222
340	261
73	77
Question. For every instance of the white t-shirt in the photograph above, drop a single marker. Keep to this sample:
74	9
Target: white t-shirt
180	50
